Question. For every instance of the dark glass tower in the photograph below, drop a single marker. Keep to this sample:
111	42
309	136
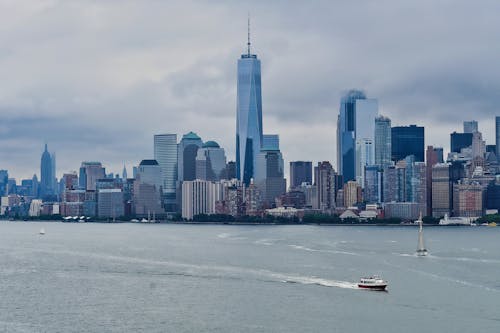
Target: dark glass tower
248	115
300	172
406	141
459	141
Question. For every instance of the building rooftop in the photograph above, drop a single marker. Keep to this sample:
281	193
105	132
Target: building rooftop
211	144
149	162
191	136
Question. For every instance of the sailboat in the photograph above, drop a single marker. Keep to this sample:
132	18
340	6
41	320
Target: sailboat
42	231
421	250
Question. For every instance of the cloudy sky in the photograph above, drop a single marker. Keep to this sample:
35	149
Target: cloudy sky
97	79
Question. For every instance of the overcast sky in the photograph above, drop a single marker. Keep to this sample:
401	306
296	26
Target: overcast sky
97	79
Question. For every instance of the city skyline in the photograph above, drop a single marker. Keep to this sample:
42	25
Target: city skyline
145	83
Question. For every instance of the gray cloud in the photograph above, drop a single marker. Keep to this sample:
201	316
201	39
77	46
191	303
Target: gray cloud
96	79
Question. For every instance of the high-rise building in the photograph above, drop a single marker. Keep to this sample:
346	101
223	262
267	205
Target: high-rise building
458	141
383	140
470	126
47	174
70	181
434	156
352	194
271	142
324	179
90	172
300	172
497	136
468	199
4	179
165	153
210	162
186	156
390	184
249	135
478	145
406	141
441	190
149	172
269	176
110	203
373	184
418	181
199	197
147	189
355	135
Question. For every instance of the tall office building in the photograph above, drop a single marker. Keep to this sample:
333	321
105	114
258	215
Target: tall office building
352	194
147	189
383	141
478	145
300	172
468	199
47	174
406	141
210	162
470	126
497	136
458	141
271	142
434	156
249	135
441	190
165	153
324	179
355	135
373	184
90	172
186	156
390	182
269	176
199	197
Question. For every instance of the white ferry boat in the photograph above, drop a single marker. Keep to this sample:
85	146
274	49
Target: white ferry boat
455	220
372	283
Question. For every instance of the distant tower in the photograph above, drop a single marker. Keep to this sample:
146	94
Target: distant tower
497	136
47	169
383	141
124	173
470	126
355	135
248	114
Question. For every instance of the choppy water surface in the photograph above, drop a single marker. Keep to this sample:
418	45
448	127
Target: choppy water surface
209	278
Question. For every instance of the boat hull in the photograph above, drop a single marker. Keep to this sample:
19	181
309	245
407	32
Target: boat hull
381	287
421	253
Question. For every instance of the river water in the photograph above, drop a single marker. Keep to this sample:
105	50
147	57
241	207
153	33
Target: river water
224	278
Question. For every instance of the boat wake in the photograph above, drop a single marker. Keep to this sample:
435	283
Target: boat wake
312	280
305	248
466	259
209	271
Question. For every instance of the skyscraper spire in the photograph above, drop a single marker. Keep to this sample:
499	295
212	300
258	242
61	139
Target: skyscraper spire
248	41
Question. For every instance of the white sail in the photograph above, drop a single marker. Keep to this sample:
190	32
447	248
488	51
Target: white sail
421	251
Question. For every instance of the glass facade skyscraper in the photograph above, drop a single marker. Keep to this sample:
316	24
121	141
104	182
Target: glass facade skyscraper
355	135
459	141
165	153
406	141
497	136
300	172
248	116
383	141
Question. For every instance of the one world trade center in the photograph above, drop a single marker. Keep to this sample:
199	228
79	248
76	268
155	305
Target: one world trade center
248	115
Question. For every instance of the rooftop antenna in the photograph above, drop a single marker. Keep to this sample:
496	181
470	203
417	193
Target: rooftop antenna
248	42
